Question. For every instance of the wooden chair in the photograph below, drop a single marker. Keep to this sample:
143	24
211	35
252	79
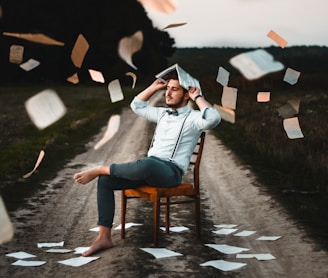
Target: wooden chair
189	193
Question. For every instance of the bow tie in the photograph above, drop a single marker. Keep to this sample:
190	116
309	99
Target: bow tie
174	113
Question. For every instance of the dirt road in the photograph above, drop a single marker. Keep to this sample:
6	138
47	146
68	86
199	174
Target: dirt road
64	211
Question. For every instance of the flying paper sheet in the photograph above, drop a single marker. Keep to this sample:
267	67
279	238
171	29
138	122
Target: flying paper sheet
226	114
30	64
291	76
115	91
295	104
287	111
263	96
163	6
224	265
45	108
292	128
79	51
223	76
227	249
74	79
278	39
173	25
112	128
96	76
6	227
41	155
16	54
161	252
134	78
78	261
29	263
185	79
229	97
129	45
38	38
255	64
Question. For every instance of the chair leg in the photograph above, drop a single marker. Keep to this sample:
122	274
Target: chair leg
156	220
197	216
167	215
123	213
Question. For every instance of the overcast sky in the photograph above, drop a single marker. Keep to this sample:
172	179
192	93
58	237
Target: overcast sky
245	23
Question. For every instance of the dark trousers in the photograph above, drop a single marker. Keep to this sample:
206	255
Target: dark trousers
148	170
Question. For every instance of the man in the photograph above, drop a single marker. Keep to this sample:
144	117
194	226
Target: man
177	132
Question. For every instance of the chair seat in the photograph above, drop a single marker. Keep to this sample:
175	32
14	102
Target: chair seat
151	192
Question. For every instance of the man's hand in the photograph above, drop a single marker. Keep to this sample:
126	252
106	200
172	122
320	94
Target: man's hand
193	92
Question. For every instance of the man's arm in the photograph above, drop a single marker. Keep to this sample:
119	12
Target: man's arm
147	93
201	102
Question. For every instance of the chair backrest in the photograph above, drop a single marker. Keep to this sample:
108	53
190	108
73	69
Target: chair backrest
196	158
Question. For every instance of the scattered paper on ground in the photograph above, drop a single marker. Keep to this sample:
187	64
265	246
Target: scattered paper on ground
292	128
177	229
38	38
229	97
29	64
224	265
41	155
277	38
95	229
74	79
225	231
226	114
161	252
78	261
45	108
223	76
291	76
6	227
255	64
96	76
245	233
79	50
228	226
51	244
263	96
260	257
16	54
129	45
112	127
227	249
80	250
268	238
134	78
173	25
127	225
163	6
57	250
20	255
115	91
29	263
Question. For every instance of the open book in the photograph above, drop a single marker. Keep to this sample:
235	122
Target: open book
185	79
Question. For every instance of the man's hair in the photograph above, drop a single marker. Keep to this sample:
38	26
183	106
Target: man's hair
174	75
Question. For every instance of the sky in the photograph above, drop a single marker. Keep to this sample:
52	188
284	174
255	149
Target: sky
244	23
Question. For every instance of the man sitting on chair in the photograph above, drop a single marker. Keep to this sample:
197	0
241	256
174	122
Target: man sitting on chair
175	137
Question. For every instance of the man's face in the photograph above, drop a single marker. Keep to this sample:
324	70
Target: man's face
174	95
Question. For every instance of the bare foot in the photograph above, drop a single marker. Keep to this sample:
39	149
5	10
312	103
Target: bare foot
86	176
97	245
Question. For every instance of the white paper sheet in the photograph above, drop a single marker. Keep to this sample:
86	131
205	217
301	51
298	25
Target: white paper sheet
224	265
30	64
37	38
268	238
174	25
29	263
79	51
40	157
226	114
20	255
95	229
74	79
292	128
45	108
51	244
16	54
255	64
115	91
259	257
134	78
291	76
163	6
96	76
228	226
227	249
78	261
263	96
161	252
6	227
245	233
176	229
127	225
223	76
277	38
112	127
229	97
81	250
57	250
225	231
